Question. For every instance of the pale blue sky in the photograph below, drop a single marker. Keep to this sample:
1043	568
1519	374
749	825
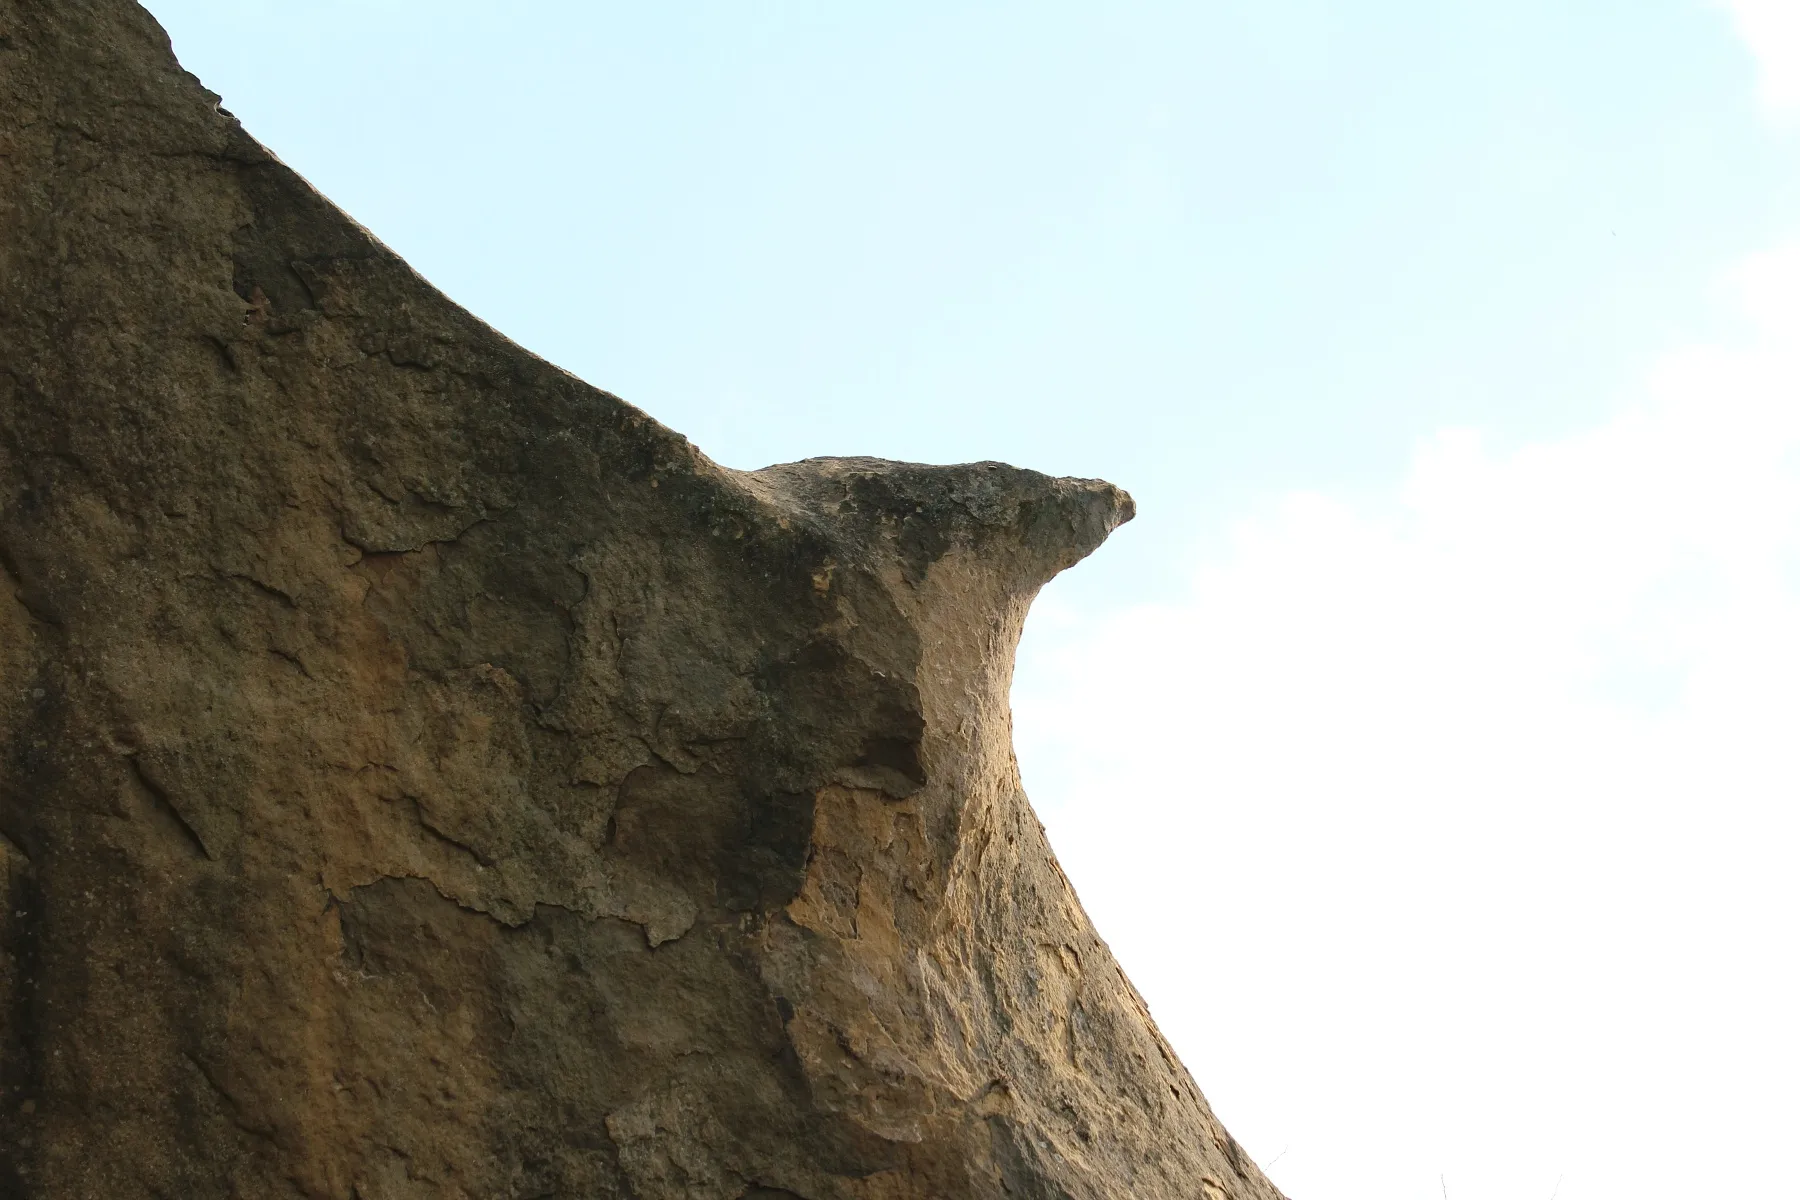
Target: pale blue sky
1208	251
1424	750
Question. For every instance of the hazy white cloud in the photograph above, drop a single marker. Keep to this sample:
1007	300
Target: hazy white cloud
1457	833
1771	28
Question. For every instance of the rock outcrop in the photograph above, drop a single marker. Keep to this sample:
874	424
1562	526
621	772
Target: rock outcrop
424	775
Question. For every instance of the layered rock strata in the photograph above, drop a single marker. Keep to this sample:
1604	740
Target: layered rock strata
424	775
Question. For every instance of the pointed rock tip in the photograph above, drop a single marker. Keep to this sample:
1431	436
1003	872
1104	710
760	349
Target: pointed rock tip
1027	524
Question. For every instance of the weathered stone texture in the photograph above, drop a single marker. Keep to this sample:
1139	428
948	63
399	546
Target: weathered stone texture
424	775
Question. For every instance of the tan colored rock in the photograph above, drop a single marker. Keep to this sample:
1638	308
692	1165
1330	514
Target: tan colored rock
424	775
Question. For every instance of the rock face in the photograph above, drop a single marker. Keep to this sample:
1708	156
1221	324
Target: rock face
424	775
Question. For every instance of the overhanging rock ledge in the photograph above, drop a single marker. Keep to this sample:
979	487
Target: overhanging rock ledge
424	775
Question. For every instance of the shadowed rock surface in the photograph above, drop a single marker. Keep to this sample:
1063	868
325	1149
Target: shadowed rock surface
424	775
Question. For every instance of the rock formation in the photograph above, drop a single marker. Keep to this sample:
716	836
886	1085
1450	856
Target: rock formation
424	775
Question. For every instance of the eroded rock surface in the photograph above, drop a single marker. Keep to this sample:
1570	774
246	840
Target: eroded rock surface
424	775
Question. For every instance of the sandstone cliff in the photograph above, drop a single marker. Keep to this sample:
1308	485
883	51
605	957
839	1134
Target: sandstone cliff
424	775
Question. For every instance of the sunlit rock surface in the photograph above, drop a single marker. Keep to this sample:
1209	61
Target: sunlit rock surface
425	775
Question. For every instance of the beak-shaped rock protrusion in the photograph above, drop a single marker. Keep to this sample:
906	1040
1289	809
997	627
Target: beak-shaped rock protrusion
1024	525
